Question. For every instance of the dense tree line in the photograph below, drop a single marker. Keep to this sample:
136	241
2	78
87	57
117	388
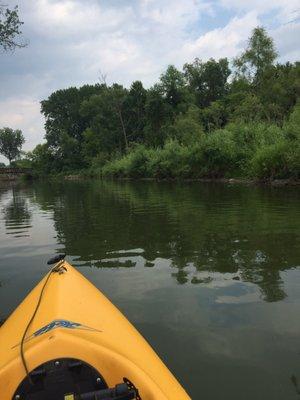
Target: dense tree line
214	118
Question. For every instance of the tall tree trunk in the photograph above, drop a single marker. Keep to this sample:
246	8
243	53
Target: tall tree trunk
123	128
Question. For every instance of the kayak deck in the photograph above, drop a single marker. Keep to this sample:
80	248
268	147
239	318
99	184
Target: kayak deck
76	321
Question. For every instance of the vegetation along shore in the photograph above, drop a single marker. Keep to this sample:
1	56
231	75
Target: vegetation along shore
219	119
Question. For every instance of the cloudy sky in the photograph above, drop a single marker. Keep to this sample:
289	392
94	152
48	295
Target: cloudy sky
71	41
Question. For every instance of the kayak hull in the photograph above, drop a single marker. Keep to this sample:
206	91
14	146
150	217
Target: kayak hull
75	320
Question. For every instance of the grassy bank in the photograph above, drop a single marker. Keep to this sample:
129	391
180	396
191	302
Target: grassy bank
252	151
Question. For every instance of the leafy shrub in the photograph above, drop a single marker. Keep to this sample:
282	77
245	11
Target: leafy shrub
255	149
293	160
97	164
170	161
279	160
219	157
116	168
136	165
292	126
248	138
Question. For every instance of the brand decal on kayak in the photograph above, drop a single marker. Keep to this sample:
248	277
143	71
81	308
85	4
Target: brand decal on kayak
60	323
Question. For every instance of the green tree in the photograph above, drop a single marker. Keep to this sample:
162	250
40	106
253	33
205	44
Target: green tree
207	80
292	126
10	28
238	90
91	144
187	127
250	109
192	123
214	116
173	86
117	97
158	114
259	55
62	113
279	90
108	119
42	159
135	105
11	142
65	124
270	99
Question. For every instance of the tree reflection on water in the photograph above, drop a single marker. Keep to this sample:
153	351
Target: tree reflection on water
246	233
16	214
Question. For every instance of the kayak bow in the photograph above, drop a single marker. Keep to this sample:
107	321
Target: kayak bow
77	346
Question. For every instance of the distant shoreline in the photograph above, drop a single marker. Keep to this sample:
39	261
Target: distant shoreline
233	181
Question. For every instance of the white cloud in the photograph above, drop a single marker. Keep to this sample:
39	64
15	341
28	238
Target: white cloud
62	18
221	42
175	14
286	38
285	8
23	113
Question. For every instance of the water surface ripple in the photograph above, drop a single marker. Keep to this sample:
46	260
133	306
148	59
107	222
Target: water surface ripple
209	273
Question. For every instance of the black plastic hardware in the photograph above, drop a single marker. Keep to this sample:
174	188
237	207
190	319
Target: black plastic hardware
119	392
69	378
56	259
55	379
132	387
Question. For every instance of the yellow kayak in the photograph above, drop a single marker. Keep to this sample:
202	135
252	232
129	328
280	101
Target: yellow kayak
67	341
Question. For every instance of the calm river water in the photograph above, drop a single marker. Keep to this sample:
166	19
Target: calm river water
209	273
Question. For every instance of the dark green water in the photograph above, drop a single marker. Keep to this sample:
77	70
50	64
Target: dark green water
210	274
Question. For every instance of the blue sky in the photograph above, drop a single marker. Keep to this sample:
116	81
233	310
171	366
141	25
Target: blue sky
71	41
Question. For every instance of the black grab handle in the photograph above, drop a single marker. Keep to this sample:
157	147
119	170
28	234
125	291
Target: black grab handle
119	392
56	259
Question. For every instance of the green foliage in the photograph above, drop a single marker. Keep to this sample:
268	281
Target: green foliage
250	109
42	160
187	128
258	56
214	116
253	150
292	126
207	81
194	123
108	117
274	161
91	144
23	162
249	138
65	124
136	162
169	162
278	90
158	115
219	154
174	89
210	157
11	142
97	164
10	28
135	104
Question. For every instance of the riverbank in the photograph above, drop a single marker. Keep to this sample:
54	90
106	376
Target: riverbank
10	177
257	152
232	181
244	153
